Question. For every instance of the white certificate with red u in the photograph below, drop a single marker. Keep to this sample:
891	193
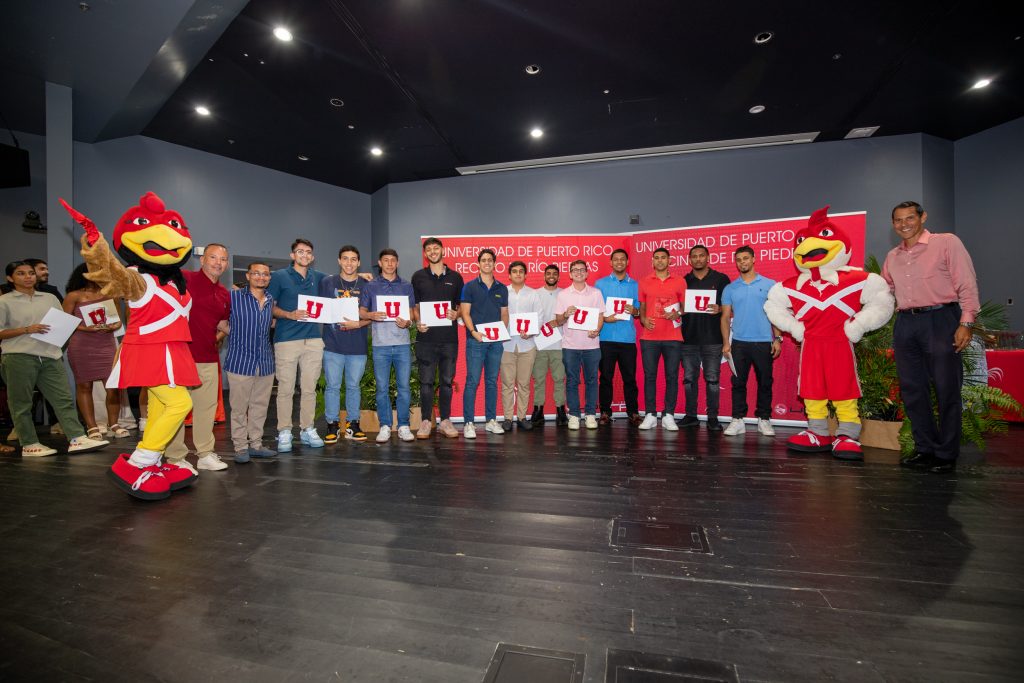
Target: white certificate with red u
584	318
394	307
435	313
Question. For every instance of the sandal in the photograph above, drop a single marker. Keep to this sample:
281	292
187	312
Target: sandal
94	433
4	448
118	431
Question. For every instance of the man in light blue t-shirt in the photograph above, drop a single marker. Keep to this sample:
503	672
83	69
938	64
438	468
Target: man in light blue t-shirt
751	340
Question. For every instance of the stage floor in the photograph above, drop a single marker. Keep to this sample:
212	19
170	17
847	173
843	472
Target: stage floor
414	562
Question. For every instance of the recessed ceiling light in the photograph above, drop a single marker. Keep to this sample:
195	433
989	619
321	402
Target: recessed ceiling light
536	133
756	109
376	151
865	132
837	56
606	91
351	127
283	34
210	59
262	62
981	83
231	141
303	157
337	102
532	69
202	111
763	37
245	54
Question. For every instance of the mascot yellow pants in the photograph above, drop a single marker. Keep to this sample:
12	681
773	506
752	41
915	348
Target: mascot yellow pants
846	412
168	407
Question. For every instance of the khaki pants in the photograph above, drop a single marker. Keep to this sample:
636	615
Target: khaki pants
303	358
204	410
516	370
550	359
249	397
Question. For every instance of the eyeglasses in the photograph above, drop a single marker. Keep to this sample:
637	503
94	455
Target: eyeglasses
258	274
303	252
577	271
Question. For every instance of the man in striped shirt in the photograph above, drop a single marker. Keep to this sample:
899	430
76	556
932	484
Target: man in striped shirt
250	363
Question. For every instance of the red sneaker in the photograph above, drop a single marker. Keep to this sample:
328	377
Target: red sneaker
146	483
177	477
809	442
846	448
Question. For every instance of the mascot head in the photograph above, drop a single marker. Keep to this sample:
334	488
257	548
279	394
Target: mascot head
154	239
821	246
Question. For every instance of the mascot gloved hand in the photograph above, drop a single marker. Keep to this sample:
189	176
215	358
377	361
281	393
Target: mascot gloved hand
828	307
154	353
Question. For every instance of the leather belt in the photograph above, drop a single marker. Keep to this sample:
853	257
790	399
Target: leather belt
926	309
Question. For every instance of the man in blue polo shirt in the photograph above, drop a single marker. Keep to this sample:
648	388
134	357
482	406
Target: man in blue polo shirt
484	300
391	343
298	346
754	342
618	339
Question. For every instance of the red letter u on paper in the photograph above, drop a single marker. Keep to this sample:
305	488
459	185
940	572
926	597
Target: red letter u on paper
546	330
701	302
580	316
98	317
391	308
314	308
491	333
441	310
619	307
522	326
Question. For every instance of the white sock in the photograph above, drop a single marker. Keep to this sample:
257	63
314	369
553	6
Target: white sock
143	458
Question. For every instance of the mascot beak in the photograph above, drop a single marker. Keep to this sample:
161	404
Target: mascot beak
815	252
159	244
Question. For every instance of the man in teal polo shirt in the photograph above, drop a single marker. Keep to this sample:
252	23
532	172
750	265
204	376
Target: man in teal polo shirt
618	339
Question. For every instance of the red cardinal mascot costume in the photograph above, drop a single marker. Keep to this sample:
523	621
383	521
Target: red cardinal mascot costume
828	308
154	353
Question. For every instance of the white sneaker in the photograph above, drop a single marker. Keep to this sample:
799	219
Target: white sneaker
384	435
493	427
469	431
650	421
210	461
765	427
142	424
405	434
37	450
590	421
736	427
284	441
668	423
188	466
84	444
574	422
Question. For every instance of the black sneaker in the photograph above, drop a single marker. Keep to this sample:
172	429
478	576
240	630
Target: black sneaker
332	433
689	422
507	425
714	425
354	433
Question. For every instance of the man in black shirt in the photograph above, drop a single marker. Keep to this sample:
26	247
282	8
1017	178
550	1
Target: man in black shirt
702	340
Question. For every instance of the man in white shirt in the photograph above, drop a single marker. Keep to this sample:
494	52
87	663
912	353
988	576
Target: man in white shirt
520	351
550	359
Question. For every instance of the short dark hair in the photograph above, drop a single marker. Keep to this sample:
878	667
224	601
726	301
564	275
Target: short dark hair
661	249
348	247
699	246
745	249
552	266
516	264
581	262
13	266
387	251
480	254
918	209
301	240
620	251
257	263
432	240
215	244
35	261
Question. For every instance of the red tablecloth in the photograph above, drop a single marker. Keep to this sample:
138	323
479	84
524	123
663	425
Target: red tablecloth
1006	372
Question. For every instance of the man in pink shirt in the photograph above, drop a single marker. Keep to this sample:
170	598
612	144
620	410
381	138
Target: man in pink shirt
581	349
936	292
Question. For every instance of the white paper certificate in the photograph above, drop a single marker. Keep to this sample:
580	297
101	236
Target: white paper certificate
319	308
435	313
698	300
62	326
524	324
584	318
99	313
346	309
394	307
548	337
493	332
677	323
617	306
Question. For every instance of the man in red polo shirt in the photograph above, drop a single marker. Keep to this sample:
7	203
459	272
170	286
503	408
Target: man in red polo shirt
662	295
211	305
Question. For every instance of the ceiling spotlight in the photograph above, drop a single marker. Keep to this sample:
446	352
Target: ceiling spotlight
262	62
303	157
202	111
337	102
283	34
245	54
763	37
532	69
982	83
606	91
837	56
351	127
864	132
756	109
210	59
376	151
536	133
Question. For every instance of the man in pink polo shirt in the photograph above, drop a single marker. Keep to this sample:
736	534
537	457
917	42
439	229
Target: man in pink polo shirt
936	292
581	349
662	295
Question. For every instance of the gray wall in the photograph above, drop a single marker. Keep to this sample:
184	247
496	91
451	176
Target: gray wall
989	181
715	187
15	242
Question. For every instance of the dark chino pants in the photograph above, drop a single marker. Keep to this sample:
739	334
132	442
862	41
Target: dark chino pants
436	359
759	356
624	355
652	352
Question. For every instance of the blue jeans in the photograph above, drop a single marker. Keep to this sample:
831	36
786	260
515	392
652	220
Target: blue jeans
486	357
587	360
348	368
384	357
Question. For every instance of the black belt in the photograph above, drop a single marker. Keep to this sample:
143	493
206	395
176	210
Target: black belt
927	309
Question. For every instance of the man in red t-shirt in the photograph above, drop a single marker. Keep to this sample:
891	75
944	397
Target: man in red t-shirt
662	295
207	322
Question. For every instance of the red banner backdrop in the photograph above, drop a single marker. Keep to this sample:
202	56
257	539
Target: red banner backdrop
772	241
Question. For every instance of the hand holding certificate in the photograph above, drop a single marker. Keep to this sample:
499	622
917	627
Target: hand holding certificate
584	318
700	300
394	308
524	324
619	307
493	332
60	326
674	308
548	337
435	313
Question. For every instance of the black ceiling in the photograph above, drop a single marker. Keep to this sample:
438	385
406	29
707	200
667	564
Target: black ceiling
442	83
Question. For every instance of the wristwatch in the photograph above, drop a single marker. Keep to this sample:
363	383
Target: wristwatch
967	325
778	338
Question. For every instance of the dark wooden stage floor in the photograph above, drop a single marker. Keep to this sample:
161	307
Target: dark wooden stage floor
413	562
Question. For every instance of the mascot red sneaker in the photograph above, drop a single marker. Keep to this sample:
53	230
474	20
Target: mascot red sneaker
154	353
828	308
